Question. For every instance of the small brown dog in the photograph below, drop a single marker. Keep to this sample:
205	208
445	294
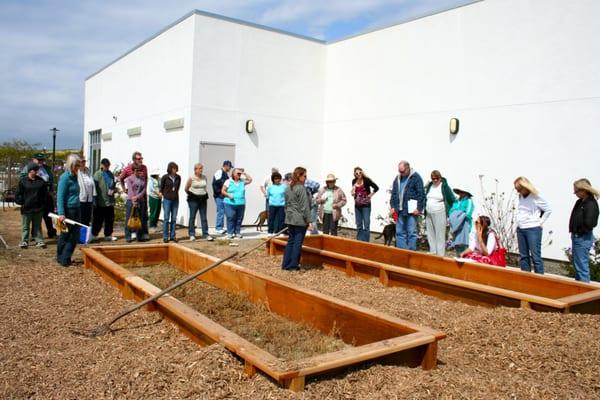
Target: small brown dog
262	217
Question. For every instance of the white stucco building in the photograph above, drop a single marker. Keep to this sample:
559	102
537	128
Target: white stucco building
520	75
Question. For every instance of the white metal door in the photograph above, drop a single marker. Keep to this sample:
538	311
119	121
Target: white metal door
212	156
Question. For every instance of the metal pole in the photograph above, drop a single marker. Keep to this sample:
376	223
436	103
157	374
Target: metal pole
54	130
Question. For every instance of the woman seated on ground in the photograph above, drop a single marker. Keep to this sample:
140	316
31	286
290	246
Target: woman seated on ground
483	243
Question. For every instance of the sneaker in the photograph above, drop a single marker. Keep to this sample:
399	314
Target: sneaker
92	239
111	238
23	245
174	240
165	240
134	236
239	236
222	231
210	238
192	238
40	245
129	240
230	237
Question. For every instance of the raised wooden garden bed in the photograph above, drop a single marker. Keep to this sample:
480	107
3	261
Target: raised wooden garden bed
370	335
447	278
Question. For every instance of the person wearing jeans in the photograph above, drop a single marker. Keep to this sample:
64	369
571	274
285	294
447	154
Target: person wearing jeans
169	191
234	193
532	212
361	191
408	200
67	205
584	217
297	218
217	185
276	198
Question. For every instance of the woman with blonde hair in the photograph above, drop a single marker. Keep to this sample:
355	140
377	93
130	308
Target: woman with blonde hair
584	218
67	206
532	212
197	197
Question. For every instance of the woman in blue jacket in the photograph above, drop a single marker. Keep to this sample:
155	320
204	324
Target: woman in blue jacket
67	205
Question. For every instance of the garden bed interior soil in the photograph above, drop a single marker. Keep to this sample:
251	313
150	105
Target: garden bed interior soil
285	339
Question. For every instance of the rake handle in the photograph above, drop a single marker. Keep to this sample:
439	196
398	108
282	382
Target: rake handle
263	243
171	288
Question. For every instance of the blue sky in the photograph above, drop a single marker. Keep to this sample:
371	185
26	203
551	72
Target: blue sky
48	48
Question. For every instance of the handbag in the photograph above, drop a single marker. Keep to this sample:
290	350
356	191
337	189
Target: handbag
134	223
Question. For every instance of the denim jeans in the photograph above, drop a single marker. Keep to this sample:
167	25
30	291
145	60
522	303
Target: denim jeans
363	223
143	209
276	218
235	216
197	206
581	245
219	223
530	249
293	249
169	218
67	241
406	232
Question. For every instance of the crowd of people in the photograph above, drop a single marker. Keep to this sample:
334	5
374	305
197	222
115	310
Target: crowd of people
293	203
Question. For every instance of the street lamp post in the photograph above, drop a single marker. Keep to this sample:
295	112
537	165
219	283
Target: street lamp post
54	131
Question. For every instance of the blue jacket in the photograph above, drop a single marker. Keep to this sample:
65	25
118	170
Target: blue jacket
67	193
412	191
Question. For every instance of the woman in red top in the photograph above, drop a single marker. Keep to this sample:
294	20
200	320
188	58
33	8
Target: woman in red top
361	191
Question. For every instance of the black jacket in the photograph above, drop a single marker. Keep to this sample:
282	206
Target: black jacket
217	184
584	216
31	195
170	189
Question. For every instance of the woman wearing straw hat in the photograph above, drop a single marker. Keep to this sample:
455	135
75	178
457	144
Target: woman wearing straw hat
330	199
532	212
584	218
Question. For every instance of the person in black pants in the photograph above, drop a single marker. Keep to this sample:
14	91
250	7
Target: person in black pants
104	202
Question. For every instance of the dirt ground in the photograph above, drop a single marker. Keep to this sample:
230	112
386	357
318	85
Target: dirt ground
489	353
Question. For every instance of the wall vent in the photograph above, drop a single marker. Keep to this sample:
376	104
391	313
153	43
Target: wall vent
137	131
107	136
173	124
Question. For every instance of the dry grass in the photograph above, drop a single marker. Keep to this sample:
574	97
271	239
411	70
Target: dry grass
283	338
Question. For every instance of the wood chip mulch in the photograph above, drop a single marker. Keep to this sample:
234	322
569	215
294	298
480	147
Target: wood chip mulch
489	353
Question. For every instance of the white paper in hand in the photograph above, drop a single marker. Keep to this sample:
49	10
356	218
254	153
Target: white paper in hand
412	206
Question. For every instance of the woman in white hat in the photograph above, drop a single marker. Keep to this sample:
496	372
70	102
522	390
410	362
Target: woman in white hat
584	218
330	199
532	212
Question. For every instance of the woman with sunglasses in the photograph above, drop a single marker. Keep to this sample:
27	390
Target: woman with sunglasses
438	201
584	218
363	188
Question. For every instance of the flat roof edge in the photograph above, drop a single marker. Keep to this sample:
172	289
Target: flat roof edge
210	15
402	22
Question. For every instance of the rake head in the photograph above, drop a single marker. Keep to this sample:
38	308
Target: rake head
94	332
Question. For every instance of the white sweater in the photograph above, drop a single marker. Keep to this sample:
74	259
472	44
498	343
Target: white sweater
529	213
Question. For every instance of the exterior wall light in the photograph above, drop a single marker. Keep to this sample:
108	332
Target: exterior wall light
454	125
250	126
